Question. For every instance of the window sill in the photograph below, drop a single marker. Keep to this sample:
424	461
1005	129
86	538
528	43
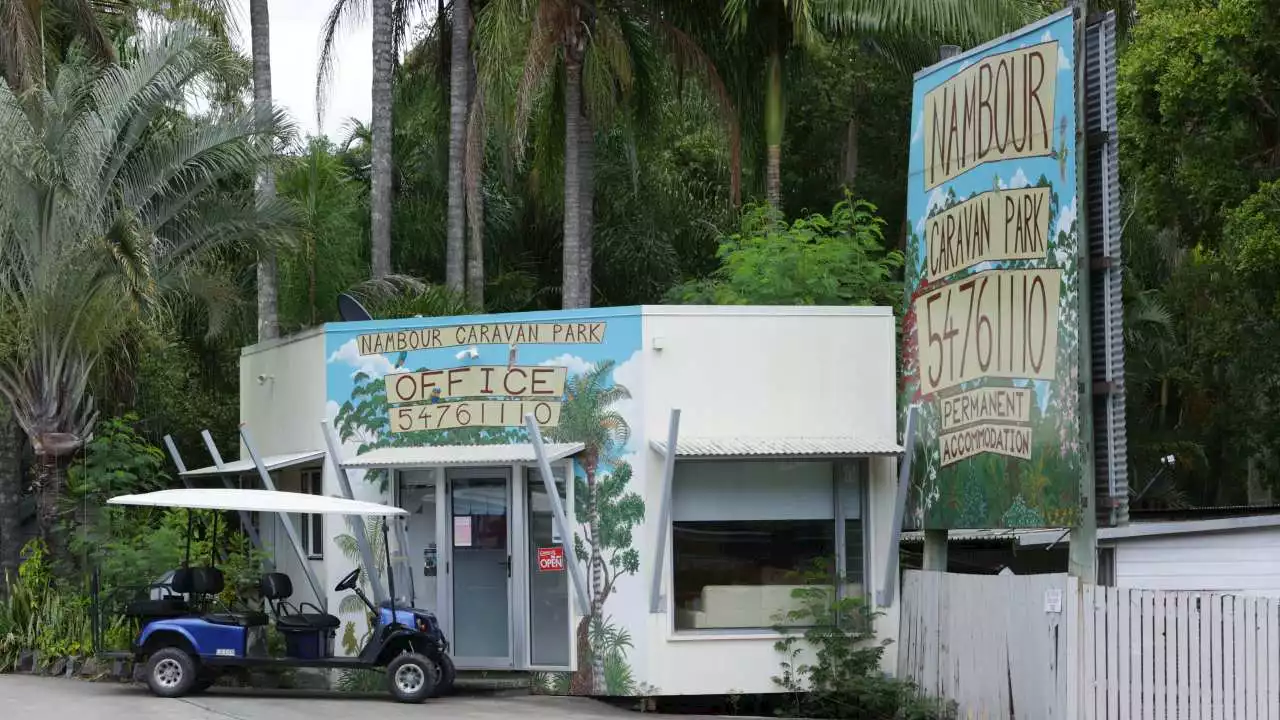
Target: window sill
705	635
315	557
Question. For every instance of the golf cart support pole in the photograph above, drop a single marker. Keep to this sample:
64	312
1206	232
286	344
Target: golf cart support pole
245	522
322	598
357	524
557	508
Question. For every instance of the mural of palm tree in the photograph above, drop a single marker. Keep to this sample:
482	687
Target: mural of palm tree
589	417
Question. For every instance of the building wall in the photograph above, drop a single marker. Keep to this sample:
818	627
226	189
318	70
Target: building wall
747	372
1242	561
764	372
281	404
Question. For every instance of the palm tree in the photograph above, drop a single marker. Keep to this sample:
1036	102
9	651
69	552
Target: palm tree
24	48
459	84
268	282
589	417
777	27
113	203
391	20
608	53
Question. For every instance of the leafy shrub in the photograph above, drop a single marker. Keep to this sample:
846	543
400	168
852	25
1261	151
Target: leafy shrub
831	668
817	260
37	616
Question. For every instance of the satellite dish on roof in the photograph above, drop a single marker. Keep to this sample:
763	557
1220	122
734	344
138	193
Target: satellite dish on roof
350	309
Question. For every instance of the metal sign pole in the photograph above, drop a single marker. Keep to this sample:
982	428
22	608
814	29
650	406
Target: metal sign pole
557	508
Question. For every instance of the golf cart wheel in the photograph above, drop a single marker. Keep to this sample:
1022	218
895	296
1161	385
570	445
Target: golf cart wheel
445	674
411	678
171	672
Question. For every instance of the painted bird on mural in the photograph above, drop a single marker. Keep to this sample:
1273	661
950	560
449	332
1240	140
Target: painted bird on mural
401	359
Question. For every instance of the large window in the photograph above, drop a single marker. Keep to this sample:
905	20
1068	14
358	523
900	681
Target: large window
313	525
746	534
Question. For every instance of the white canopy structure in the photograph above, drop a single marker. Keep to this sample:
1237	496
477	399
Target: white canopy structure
257	501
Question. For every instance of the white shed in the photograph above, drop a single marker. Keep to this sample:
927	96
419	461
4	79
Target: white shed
786	453
1238	555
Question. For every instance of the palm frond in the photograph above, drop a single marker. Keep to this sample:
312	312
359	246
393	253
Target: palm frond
343	14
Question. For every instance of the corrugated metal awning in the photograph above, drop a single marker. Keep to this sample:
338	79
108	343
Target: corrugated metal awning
272	462
995	535
437	455
779	447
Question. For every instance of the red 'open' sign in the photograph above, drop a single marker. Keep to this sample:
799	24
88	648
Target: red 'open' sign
551	559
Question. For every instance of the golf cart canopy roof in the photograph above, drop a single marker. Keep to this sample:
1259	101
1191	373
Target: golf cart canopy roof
256	501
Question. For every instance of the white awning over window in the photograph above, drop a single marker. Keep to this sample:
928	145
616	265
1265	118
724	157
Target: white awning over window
776	447
272	462
438	455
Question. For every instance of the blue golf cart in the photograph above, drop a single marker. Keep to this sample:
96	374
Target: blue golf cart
187	637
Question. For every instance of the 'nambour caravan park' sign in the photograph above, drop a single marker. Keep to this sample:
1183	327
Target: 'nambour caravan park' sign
991	328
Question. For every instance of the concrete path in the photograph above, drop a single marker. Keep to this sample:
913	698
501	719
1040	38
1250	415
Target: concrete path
26	697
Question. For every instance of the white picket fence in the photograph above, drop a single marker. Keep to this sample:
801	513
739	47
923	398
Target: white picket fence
1043	646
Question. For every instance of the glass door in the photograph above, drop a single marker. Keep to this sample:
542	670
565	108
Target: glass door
480	532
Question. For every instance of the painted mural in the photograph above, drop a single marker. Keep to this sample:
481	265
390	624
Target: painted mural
471	380
990	329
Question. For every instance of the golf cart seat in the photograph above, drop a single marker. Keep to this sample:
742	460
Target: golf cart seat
169	605
277	588
210	581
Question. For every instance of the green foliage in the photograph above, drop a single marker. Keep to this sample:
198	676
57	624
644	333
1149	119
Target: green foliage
816	260
330	253
831	669
117	461
40	615
1198	86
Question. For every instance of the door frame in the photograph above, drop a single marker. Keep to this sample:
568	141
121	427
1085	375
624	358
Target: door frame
489	472
523	606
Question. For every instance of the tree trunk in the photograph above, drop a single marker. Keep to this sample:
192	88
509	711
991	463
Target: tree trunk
849	171
475	196
582	683
50	479
268	289
587	193
380	191
10	496
773	122
571	280
459	84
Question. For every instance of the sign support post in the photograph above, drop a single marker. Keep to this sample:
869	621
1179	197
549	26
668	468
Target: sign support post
1082	553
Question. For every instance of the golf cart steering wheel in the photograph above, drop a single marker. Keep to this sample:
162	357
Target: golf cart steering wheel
348	582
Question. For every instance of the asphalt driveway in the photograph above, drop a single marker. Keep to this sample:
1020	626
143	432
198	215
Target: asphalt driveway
26	697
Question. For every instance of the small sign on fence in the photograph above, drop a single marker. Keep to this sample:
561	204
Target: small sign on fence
1053	600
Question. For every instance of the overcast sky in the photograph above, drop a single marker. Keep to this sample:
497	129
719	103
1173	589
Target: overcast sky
295	48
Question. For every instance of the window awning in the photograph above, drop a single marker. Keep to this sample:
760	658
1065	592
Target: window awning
776	447
438	455
272	462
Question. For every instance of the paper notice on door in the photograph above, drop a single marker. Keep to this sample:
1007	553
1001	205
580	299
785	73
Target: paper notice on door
462	531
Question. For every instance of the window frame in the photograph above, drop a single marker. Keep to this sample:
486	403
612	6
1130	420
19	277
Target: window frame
861	471
311	482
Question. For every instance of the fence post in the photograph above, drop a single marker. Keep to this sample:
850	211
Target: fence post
1073	626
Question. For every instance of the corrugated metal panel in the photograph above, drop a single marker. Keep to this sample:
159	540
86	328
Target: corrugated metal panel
438	455
1105	286
914	537
273	462
780	447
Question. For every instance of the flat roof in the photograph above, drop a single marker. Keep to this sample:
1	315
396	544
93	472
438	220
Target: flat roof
272	462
